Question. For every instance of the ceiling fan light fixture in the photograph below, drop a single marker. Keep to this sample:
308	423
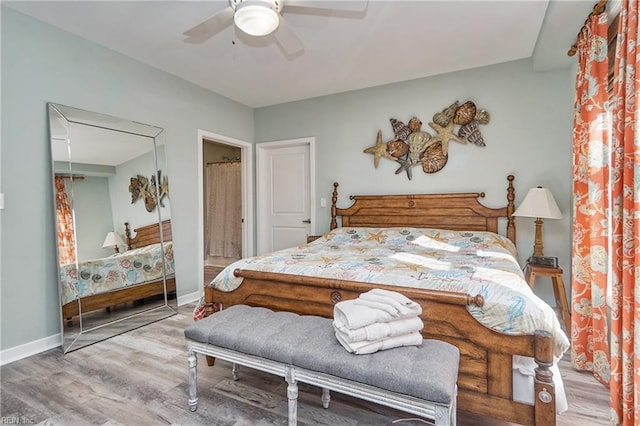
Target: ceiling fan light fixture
256	17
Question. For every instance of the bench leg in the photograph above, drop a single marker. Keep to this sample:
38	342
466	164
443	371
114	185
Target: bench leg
326	397
193	380
234	372
292	396
454	407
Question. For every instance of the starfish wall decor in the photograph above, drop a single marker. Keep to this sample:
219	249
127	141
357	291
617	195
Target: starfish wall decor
144	189
410	146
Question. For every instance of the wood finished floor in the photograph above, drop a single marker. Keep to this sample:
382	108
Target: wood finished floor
140	378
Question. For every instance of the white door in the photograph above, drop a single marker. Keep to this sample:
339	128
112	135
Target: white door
285	194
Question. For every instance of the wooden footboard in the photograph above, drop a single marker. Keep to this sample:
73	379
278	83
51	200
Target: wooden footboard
485	378
111	298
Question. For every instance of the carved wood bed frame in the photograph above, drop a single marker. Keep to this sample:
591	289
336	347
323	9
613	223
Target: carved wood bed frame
485	380
144	236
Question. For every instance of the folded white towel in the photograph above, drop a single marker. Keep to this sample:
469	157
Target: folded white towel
378	305
367	347
379	330
399	302
355	316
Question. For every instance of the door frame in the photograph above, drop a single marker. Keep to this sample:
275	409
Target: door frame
261	148
246	160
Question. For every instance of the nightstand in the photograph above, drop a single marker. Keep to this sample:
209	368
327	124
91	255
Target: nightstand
311	238
562	307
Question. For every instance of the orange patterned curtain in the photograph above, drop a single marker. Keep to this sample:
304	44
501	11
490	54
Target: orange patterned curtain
589	332
66	236
625	188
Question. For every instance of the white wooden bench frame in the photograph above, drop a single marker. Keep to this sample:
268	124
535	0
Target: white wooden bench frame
442	414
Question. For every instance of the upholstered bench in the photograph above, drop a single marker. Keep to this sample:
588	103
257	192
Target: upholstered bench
416	379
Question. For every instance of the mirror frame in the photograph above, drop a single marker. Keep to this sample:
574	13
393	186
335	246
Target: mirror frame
81	336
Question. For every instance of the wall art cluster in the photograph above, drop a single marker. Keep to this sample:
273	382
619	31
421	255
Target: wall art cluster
411	146
142	188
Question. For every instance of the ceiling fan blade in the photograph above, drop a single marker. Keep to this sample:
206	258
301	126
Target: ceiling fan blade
210	27
287	39
346	5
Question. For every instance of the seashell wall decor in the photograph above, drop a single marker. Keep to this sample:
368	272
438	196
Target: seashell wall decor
410	146
465	113
397	149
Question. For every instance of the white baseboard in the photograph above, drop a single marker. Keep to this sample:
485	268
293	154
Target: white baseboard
189	298
22	351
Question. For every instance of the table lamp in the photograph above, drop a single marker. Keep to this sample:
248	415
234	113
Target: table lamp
538	203
114	240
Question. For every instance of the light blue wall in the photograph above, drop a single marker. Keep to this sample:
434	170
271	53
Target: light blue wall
92	211
529	135
136	214
42	64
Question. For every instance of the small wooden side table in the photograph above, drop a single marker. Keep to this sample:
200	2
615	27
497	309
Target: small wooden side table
533	271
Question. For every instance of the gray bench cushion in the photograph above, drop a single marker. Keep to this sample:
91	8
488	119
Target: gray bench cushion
428	371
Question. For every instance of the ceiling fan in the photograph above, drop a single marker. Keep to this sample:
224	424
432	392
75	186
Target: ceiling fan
262	17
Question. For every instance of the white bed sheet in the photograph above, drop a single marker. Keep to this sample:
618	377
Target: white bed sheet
523	383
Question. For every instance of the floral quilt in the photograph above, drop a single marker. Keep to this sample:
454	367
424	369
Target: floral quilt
114	272
470	262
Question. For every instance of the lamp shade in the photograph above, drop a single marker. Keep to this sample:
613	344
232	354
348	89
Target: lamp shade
113	240
539	202
256	17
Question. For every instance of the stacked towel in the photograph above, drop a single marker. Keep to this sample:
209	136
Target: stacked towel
378	330
378	319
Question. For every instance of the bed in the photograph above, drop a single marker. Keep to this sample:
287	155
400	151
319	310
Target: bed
124	277
453	314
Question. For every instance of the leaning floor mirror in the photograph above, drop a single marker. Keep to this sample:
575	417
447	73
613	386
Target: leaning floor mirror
113	224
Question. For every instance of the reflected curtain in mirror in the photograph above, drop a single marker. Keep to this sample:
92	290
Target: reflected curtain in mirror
66	233
223	210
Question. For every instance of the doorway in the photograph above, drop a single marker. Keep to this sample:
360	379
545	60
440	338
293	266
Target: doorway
225	219
222	207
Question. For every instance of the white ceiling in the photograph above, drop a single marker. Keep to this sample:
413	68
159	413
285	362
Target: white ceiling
85	137
99	146
390	41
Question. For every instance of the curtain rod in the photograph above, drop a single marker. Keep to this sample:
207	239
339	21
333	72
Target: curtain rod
63	176
226	160
597	10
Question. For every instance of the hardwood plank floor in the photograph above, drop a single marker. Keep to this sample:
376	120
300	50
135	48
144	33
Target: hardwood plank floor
140	378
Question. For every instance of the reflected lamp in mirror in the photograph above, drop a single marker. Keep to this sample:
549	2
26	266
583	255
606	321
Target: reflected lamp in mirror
113	240
538	203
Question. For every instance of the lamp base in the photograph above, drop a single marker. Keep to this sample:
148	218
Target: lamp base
537	245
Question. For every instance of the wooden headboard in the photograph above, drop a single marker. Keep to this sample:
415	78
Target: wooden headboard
147	235
455	211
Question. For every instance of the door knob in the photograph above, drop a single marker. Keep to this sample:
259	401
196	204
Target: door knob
306	221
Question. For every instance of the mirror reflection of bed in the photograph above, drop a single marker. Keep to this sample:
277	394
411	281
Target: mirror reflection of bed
124	283
122	309
115	252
